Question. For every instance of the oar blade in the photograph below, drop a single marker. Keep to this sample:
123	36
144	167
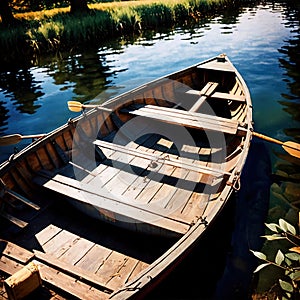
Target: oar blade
75	106
10	139
292	148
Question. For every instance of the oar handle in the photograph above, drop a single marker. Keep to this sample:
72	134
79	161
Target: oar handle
267	138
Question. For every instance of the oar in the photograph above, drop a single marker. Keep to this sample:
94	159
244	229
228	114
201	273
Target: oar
76	106
290	147
16	138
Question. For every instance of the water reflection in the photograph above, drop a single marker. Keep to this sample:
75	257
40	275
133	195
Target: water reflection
285	190
3	118
85	73
291	64
22	89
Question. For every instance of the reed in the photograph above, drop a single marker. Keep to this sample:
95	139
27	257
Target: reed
56	29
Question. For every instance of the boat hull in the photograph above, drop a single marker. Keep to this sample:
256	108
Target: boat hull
158	163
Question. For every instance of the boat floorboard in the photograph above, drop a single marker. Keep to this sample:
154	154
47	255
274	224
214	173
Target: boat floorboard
86	259
150	181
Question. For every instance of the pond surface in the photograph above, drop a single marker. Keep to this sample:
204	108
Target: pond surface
261	41
34	100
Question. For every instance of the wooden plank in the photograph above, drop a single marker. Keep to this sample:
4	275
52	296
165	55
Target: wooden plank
166	191
139	267
94	258
205	93
165	160
226	96
188	119
150	186
220	95
195	206
133	167
122	273
9	266
190	115
146	191
71	270
113	271
146	182
22	199
104	172
69	285
101	199
176	204
175	201
47	233
14	251
60	243
78	249
14	220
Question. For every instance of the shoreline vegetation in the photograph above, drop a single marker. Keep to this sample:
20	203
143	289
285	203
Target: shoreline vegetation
53	30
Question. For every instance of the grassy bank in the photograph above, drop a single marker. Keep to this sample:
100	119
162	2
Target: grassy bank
56	29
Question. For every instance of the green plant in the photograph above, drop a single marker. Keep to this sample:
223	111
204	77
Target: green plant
287	260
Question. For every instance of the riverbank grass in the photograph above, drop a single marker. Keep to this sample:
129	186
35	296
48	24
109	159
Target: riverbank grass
56	29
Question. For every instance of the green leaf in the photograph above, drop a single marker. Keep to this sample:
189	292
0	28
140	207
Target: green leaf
259	255
288	261
291	229
272	226
286	286
295	276
261	267
283	225
293	256
279	257
287	227
273	237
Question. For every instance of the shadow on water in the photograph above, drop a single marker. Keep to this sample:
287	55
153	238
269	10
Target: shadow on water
221	266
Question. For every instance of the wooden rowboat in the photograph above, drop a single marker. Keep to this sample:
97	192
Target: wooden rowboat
157	164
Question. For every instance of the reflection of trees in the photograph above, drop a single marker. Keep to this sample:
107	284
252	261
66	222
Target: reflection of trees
291	64
24	89
3	118
85	72
288	167
231	15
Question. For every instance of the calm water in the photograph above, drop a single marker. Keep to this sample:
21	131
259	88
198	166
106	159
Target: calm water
261	41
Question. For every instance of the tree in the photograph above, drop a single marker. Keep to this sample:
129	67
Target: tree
6	13
78	6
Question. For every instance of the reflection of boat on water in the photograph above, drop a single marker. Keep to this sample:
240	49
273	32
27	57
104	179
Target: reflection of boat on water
158	161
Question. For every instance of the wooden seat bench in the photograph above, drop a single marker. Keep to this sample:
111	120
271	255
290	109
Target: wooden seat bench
168	160
219	95
187	118
209	92
116	207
